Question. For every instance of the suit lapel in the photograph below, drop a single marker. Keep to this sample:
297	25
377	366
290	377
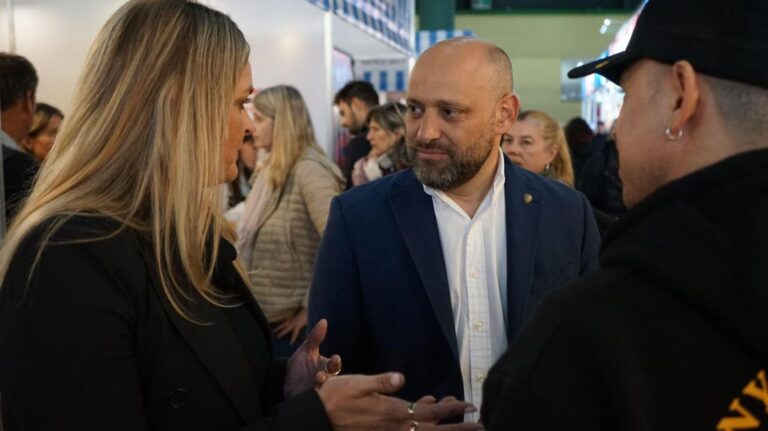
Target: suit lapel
523	205
415	216
217	347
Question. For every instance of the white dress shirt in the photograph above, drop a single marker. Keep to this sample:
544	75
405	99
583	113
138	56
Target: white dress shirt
475	253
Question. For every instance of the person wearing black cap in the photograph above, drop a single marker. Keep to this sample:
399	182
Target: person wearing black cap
671	333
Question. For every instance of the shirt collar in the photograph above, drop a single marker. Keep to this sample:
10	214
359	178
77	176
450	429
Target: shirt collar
496	188
7	141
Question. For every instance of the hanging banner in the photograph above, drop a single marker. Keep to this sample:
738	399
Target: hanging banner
390	20
386	75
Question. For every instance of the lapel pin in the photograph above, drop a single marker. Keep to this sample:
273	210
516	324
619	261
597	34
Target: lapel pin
527	198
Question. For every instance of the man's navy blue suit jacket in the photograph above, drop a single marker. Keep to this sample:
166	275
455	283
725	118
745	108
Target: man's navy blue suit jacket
381	283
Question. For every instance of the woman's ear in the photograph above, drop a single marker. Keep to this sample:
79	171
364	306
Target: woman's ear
552	154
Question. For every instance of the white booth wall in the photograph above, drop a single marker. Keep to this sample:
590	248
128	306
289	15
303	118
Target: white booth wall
291	43
55	36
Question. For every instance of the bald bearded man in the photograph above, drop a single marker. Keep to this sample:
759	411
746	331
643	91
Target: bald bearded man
433	270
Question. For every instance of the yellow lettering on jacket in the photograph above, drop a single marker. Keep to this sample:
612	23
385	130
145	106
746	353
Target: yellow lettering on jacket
744	422
758	389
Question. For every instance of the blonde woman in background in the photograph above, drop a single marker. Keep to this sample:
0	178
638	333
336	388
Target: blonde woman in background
285	213
121	305
536	142
45	127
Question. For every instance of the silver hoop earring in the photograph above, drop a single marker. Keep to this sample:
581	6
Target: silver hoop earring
547	170
672	137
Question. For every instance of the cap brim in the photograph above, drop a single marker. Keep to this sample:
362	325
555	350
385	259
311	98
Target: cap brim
611	67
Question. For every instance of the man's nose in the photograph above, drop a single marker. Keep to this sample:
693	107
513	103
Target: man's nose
428	128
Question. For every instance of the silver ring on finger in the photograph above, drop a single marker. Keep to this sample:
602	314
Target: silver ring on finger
414	425
327	371
412	412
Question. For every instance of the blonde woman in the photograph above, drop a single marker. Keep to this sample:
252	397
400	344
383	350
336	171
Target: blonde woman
286	211
45	126
121	306
536	142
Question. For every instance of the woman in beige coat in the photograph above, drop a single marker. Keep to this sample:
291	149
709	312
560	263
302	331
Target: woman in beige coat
286	212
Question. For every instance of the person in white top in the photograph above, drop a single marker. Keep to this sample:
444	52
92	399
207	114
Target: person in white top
433	270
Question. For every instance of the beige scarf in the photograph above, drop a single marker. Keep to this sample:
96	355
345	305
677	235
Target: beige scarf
257	208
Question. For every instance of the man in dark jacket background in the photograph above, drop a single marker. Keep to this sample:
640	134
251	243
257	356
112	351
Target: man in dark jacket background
671	333
354	101
18	85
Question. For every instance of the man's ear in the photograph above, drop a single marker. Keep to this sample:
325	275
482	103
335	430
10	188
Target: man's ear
506	112
28	105
687	89
358	105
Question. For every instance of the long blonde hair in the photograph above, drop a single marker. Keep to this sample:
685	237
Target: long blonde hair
292	131
561	167
143	142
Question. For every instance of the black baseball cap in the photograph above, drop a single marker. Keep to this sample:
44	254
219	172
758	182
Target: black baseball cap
724	39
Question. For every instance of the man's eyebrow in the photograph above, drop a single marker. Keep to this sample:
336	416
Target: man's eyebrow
441	102
453	103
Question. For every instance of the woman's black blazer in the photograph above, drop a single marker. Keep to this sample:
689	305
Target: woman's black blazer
89	341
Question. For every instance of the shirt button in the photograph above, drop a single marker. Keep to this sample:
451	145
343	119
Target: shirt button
474	274
480	378
479	325
178	398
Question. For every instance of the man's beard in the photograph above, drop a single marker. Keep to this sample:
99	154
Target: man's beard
461	166
358	126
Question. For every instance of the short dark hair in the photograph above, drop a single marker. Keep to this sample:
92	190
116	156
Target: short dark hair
361	90
743	108
17	78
